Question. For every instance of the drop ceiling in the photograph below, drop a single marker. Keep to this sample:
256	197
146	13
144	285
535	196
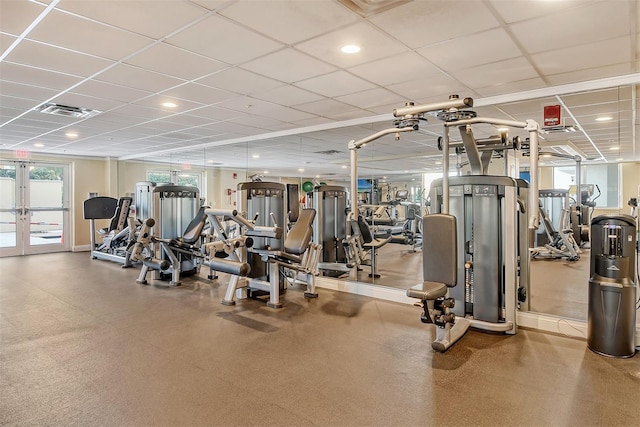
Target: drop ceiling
263	85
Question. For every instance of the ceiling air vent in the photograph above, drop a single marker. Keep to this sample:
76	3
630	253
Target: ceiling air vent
66	110
328	152
366	8
559	128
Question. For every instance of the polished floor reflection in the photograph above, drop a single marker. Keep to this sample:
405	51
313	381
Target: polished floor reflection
82	344
558	287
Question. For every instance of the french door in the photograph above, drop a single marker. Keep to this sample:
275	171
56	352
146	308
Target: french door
34	207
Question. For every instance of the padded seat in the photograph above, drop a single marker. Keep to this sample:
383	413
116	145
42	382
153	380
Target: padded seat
427	291
368	240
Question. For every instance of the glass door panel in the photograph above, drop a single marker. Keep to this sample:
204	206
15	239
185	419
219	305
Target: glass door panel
34	208
9	211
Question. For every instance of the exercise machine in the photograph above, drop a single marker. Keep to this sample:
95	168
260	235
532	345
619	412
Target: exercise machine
330	227
119	236
295	263
559	243
481	222
212	254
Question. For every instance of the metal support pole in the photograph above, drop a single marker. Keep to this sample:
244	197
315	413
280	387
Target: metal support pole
445	171
532	127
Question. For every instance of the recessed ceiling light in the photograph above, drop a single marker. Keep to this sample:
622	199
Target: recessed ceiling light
300	170
350	48
210	161
265	172
256	156
317	176
614	148
169	104
38	144
619	159
603	118
71	135
503	129
344	166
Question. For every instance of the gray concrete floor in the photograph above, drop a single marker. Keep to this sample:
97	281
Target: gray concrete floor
82	344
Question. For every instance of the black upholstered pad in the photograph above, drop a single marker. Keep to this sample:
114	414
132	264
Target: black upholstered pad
100	207
427	290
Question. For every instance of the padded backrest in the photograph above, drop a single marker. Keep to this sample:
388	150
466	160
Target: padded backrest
194	229
299	236
439	249
365	231
293	204
119	220
100	207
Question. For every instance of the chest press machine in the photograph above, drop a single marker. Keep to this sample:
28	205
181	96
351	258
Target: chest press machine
480	239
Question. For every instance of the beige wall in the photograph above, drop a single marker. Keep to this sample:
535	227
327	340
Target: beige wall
630	177
87	176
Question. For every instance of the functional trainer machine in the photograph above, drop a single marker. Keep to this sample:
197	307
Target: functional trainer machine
479	225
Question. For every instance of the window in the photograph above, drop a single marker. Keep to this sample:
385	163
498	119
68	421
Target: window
605	177
175	177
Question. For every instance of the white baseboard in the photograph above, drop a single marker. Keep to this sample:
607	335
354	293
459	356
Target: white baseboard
81	248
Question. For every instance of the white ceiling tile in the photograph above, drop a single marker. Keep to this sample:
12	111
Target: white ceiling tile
325	107
513	11
313	121
434	85
211	4
593	55
335	84
371	98
298	66
6	40
87	36
374	45
591	74
199	93
421	23
100	89
574	27
506	88
498	72
171	60
470	51
82	101
137	16
217	113
401	68
35	93
134	77
141	112
156	101
36	76
56	59
224	41
287	95
16	16
239	81
290	21
264	123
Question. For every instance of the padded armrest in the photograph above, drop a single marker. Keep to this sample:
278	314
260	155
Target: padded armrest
427	291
